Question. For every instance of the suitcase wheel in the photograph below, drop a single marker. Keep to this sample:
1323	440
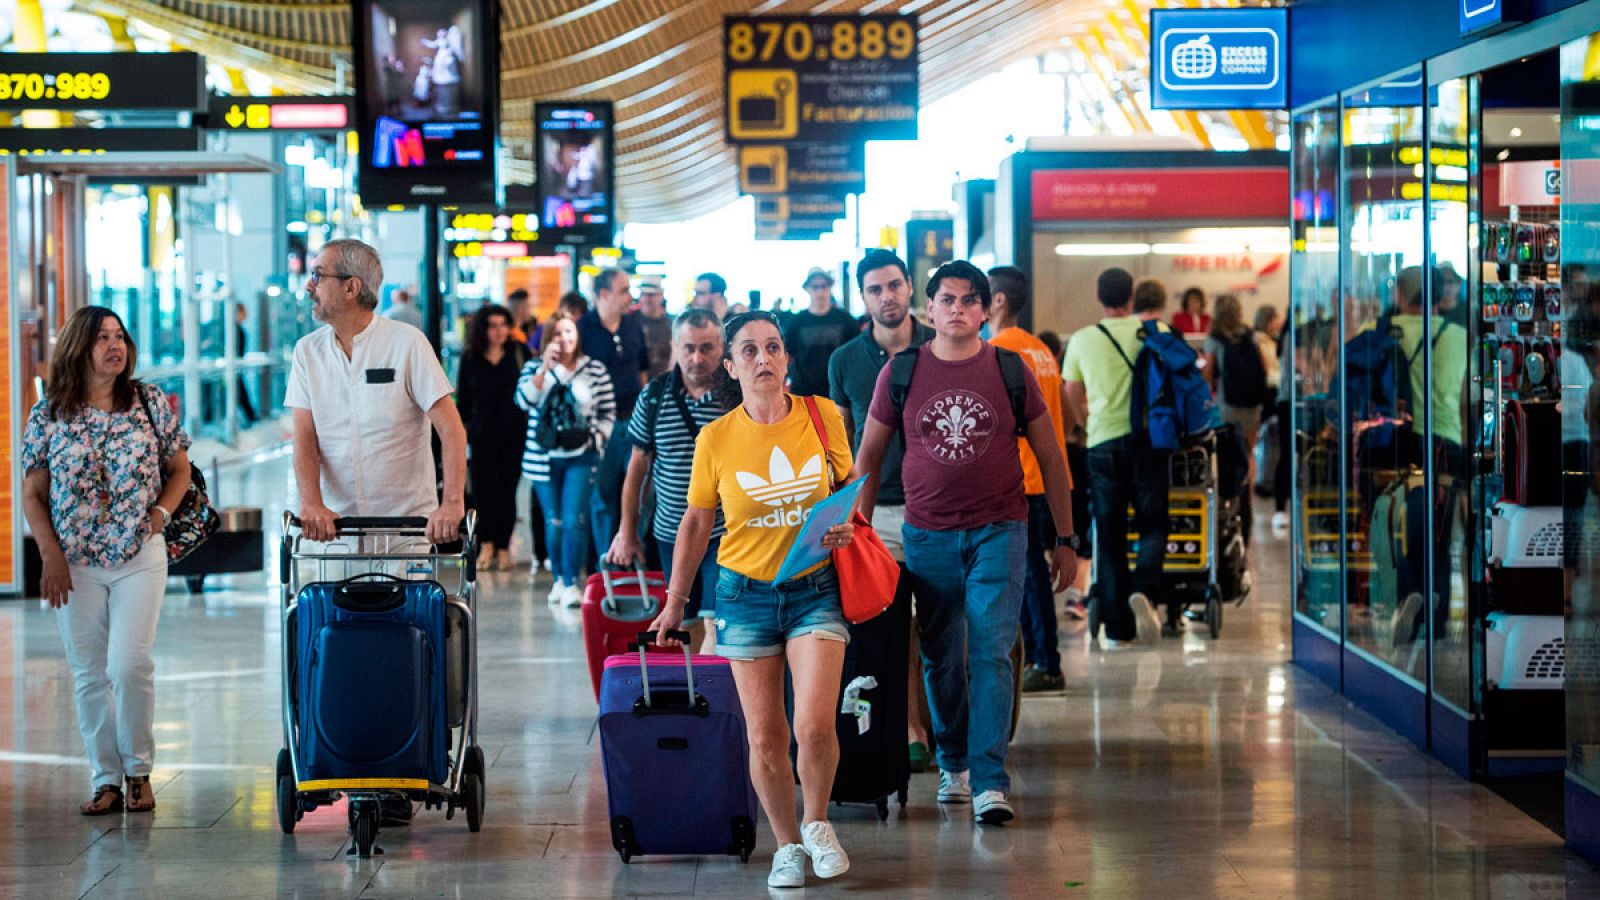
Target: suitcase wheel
744	838
622	838
1214	612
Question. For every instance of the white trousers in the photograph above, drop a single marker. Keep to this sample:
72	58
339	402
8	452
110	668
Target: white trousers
109	626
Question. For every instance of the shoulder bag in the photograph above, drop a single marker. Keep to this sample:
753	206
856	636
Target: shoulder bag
194	520
868	574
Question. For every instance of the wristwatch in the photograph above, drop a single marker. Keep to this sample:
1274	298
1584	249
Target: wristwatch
1070	541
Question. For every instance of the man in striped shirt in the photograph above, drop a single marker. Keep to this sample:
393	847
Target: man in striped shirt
670	413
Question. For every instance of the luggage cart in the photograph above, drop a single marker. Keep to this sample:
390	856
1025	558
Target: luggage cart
356	596
1206	561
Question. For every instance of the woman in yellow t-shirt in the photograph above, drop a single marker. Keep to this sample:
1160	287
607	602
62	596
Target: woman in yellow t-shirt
765	464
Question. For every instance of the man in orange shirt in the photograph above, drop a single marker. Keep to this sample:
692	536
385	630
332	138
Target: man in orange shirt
1010	288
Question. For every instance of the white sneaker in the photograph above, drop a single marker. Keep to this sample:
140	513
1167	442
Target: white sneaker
953	787
1280	523
788	867
573	597
1146	621
991	808
822	845
558	592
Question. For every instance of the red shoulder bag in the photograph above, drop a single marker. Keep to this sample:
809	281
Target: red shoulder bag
867	571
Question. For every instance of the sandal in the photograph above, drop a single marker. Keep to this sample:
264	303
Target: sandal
140	797
98	805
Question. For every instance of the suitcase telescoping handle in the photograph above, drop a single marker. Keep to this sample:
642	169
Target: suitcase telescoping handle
643	640
609	602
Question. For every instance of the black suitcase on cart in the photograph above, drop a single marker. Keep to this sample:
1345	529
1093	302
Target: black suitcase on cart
874	764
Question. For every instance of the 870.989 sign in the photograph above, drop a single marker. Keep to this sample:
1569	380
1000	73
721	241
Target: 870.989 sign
820	78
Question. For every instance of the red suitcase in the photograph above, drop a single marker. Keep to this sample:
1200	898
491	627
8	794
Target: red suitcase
616	607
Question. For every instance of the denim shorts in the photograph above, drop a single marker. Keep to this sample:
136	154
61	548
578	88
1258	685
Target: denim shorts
756	618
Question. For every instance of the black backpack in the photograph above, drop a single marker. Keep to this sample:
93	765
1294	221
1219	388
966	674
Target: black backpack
561	426
1244	375
904	365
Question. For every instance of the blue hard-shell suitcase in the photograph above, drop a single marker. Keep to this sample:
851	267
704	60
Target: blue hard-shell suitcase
370	690
677	764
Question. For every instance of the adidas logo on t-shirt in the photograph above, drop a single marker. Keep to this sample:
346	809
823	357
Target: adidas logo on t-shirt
782	486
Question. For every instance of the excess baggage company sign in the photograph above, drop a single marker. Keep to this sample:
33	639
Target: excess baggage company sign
1219	58
820	78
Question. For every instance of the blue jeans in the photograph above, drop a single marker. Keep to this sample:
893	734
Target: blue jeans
605	502
1039	639
968	586
565	499
703	595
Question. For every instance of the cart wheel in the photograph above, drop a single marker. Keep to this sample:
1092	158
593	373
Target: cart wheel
1093	616
472	788
289	810
883	809
365	829
1214	614
195	583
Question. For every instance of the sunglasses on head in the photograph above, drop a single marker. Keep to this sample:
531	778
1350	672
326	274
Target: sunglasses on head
745	318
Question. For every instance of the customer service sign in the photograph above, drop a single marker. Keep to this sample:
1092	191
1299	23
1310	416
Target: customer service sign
1219	58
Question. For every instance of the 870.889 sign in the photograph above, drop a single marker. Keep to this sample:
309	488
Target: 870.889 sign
821	78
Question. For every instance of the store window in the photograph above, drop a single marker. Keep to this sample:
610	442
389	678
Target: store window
1580	415
1452	161
1384	418
1314	323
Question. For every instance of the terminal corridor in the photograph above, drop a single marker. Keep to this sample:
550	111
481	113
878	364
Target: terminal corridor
1186	769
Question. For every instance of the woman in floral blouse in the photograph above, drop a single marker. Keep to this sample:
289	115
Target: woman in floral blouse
106	465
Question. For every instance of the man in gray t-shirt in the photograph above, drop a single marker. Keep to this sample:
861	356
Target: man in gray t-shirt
852	375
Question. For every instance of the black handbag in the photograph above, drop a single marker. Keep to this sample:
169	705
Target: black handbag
194	520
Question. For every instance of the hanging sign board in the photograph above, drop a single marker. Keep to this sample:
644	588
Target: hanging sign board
836	169
820	78
1219	58
279	113
74	81
1478	15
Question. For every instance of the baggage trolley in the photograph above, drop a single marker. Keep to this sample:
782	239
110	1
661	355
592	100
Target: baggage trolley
379	692
1206	561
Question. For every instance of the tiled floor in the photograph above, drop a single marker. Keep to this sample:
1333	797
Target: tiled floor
1189	770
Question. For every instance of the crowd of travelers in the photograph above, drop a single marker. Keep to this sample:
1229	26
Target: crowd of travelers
696	445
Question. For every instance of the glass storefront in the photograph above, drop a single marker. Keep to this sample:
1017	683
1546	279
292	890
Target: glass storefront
1446	325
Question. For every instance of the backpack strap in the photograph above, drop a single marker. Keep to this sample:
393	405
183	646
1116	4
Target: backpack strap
1120	352
689	423
901	368
1016	381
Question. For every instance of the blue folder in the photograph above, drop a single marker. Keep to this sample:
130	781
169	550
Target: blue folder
807	550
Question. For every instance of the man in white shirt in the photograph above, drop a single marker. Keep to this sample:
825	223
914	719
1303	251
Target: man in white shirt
364	390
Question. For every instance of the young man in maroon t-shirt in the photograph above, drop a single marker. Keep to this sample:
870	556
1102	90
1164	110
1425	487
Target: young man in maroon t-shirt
966	529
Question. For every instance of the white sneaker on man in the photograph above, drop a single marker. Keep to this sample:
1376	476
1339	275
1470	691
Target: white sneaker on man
991	808
954	788
1280	523
558	592
573	597
788	867
828	859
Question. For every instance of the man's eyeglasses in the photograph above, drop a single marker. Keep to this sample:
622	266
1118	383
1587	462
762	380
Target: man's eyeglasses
319	276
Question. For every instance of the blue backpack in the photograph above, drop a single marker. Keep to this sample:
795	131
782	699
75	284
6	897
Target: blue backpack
1377	380
1171	403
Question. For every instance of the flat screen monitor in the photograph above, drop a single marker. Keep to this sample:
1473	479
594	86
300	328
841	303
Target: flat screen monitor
573	141
426	100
